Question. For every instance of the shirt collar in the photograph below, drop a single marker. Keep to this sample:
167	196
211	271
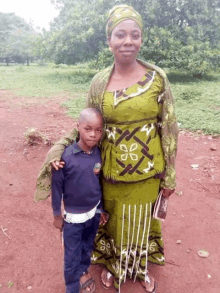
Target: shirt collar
77	149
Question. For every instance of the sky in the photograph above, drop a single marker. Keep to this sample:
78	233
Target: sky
40	12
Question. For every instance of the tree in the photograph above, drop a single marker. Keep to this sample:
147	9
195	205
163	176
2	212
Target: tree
17	38
78	33
178	33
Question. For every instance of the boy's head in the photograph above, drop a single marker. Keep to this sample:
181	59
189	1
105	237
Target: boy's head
90	127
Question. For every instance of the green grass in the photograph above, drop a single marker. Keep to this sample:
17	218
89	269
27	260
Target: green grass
45	81
75	106
197	100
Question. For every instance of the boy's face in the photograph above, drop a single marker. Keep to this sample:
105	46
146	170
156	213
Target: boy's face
90	129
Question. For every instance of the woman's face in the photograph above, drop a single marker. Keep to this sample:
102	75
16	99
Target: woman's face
125	41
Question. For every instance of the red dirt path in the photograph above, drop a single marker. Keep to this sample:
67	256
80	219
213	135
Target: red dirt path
32	257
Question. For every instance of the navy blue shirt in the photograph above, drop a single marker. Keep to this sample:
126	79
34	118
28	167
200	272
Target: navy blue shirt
77	181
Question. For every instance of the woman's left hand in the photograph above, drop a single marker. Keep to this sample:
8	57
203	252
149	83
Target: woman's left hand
167	192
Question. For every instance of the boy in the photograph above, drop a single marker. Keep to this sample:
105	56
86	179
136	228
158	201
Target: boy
78	181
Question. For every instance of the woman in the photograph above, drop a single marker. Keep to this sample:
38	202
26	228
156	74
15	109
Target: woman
138	154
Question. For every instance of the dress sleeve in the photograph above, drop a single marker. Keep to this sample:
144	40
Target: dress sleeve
43	186
169	136
94	94
91	94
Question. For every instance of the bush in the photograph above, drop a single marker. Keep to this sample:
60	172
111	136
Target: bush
184	52
75	76
105	59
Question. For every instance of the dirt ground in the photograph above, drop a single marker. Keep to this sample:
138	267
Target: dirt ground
30	247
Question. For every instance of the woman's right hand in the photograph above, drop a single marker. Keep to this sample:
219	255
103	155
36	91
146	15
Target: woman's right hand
57	165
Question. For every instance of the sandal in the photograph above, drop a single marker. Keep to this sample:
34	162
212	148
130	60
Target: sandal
106	276
154	289
87	284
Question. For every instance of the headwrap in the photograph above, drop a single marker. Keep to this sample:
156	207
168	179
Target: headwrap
120	13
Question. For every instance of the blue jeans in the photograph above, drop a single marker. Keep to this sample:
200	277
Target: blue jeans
78	246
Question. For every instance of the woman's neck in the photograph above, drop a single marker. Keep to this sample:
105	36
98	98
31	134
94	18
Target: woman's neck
123	69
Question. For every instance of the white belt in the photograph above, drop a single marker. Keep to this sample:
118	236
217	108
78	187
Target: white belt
80	218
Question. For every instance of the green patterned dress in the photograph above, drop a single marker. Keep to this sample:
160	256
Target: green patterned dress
133	164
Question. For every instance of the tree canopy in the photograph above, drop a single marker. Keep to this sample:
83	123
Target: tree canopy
178	33
17	38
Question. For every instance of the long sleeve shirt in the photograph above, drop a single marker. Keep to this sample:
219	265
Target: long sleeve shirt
78	182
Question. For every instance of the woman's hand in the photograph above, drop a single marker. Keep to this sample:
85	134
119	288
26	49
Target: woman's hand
58	222
167	192
57	165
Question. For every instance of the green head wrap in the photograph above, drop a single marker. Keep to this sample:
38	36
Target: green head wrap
120	13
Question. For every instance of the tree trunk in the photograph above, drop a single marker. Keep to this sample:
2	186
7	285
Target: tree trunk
7	60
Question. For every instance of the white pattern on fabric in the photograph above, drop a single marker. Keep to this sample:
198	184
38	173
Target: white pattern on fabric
105	246
149	222
138	231
142	241
139	91
132	239
122	235
146	170
128	251
111	133
148	130
133	147
126	262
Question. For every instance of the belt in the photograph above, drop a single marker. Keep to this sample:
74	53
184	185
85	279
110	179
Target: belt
80	218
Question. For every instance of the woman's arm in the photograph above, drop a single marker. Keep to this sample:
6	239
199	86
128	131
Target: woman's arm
43	186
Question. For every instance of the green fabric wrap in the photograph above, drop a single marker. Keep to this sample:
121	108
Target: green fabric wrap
120	13
131	237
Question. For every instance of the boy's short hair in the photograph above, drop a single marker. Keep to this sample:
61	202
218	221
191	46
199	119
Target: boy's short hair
89	111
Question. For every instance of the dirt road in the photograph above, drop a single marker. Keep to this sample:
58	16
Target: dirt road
30	248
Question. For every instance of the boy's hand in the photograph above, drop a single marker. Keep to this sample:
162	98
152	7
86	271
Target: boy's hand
58	222
57	165
103	219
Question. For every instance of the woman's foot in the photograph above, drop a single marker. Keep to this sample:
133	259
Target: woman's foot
107	279
150	287
87	283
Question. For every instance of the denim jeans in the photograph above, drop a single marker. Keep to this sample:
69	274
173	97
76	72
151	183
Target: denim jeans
78	246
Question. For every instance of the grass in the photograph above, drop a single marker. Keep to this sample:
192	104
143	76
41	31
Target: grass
45	81
197	100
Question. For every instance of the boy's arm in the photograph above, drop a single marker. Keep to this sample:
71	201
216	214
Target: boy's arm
57	191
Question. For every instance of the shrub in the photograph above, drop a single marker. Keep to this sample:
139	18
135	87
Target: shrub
104	59
184	52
